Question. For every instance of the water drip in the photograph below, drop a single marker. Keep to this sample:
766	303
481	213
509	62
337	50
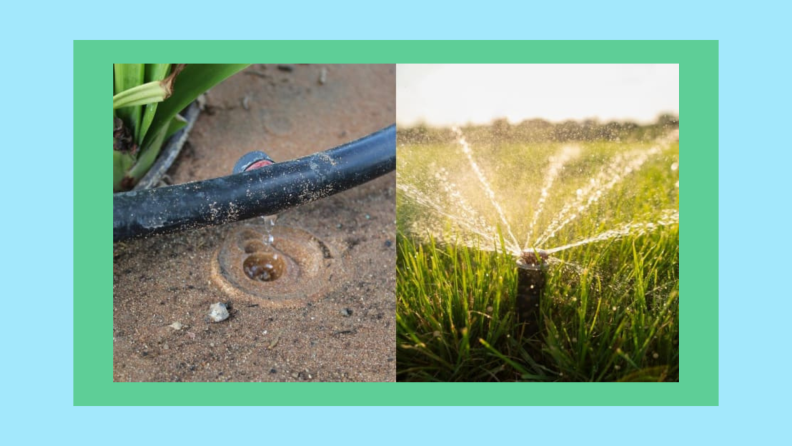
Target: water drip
269	224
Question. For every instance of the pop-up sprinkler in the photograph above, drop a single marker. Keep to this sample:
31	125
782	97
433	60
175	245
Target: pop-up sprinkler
531	272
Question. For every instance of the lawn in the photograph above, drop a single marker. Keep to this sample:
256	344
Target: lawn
610	307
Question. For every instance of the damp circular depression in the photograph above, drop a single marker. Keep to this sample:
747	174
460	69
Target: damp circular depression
306	267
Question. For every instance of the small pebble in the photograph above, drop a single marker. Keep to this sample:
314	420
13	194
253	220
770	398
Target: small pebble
346	312
218	312
388	243
176	326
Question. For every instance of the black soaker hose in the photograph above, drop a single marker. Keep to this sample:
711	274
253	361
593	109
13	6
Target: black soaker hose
258	192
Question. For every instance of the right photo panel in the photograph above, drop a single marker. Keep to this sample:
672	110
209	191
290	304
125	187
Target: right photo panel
537	222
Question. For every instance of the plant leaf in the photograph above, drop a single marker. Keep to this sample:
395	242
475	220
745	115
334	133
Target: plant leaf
154	72
121	164
125	77
149	155
192	82
177	123
148	93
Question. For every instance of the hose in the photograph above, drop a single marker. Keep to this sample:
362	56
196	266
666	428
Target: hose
265	191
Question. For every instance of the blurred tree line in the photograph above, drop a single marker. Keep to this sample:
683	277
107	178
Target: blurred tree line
539	130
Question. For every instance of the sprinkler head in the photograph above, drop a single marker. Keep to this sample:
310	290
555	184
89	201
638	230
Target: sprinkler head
531	267
252	161
533	258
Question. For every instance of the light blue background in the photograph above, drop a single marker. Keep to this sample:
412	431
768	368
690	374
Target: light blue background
36	353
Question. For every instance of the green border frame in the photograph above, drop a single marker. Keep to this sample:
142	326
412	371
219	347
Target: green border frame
93	303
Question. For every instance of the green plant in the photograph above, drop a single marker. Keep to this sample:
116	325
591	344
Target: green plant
146	102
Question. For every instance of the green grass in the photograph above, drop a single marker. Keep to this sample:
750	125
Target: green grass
610	310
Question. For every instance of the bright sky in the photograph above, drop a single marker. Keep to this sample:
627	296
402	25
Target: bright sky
442	95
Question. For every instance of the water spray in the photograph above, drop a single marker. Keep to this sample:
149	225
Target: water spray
531	278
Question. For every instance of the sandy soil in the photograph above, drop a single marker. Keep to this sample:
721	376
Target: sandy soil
349	333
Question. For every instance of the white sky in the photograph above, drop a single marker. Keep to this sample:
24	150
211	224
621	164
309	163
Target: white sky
442	95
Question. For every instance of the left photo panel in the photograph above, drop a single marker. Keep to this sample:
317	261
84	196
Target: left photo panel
254	223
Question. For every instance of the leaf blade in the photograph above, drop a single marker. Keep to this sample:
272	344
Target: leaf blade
194	80
154	72
125	77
